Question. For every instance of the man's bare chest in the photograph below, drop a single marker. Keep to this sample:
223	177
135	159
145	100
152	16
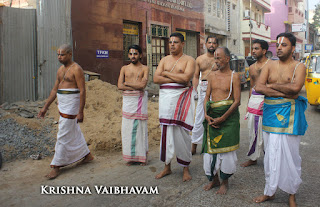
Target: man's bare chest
221	84
66	77
175	68
283	75
206	64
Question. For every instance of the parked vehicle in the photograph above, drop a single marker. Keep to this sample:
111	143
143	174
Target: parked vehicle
238	64
312	82
250	60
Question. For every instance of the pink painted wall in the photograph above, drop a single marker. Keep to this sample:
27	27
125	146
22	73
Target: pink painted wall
275	20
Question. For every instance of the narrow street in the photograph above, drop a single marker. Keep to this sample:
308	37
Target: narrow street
21	181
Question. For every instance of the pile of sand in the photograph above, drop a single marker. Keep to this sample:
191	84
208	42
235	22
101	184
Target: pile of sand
102	117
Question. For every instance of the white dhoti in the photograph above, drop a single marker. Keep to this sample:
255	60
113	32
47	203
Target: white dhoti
225	162
282	163
197	131
255	111
134	128
71	145
176	112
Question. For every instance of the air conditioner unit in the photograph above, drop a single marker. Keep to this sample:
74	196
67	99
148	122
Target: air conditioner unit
246	13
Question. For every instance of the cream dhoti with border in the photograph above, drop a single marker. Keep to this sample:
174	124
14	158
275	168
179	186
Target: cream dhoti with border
71	145
282	163
176	114
255	111
134	128
197	131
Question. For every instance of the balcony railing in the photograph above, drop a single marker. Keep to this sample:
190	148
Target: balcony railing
264	3
258	30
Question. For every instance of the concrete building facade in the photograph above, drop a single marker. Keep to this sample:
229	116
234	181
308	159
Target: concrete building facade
109	27
221	20
253	24
281	18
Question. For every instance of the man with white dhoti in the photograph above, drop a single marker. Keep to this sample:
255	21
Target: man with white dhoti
70	90
255	104
283	120
132	80
205	64
176	106
221	126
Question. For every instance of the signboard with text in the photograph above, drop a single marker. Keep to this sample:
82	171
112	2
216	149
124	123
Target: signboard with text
102	54
308	47
299	27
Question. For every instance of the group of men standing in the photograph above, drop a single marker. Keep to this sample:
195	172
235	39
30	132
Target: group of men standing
275	112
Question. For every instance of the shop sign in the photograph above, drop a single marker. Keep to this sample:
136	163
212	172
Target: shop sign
102	54
130	29
179	5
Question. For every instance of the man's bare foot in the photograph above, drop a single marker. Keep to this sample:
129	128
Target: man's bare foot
144	163
164	172
129	163
87	158
223	188
263	198
186	174
211	185
248	163
53	174
292	200
194	149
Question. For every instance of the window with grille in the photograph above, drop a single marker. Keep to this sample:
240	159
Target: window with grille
158	43
160	31
158	51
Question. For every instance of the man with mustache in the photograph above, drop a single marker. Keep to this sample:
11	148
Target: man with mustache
205	64
255	104
132	80
221	126
176	106
283	120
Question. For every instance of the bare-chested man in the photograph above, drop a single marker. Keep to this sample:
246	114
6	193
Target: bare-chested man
70	90
283	120
222	126
255	104
176	106
205	64
133	80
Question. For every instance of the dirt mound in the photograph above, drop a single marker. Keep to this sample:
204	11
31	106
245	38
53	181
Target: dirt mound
102	117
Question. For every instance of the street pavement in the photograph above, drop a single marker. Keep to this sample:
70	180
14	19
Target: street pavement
244	185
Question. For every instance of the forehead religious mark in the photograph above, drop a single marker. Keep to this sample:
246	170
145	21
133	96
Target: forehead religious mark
132	51
280	41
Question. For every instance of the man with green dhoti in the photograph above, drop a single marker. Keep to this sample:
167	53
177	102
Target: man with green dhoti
221	125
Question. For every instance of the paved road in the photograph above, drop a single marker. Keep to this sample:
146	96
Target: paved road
245	184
